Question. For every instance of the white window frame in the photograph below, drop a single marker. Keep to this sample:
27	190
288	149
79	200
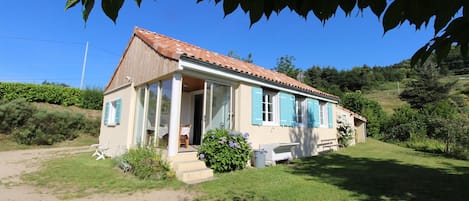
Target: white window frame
274	111
111	121
300	106
323	114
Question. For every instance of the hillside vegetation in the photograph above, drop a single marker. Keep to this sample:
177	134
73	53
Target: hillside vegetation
48	114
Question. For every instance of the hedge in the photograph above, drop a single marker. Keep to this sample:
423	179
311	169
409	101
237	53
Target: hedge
53	94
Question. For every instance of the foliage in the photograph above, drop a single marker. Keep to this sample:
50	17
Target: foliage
233	54
426	89
147	163
53	94
345	130
405	124
92	99
450	25
356	102
224	150
285	65
14	114
47	128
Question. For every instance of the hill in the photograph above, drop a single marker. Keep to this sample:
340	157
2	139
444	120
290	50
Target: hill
387	94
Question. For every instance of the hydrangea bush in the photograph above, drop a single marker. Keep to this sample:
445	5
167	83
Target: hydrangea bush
224	150
345	131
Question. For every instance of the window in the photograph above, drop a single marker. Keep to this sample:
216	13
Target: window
112	112
323	116
300	111
268	106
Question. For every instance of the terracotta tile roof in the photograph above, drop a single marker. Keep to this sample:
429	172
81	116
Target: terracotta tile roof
355	115
174	49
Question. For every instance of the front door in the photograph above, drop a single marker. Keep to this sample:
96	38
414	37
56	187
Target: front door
198	117
217	107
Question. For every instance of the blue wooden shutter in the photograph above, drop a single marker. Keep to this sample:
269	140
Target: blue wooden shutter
293	110
256	106
287	109
106	113
329	115
118	111
316	120
312	112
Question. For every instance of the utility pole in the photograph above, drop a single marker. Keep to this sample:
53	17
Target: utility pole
398	88
84	66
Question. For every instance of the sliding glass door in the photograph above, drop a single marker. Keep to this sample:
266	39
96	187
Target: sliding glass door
217	112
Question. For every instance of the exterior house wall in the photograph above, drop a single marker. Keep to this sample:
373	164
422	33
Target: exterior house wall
350	119
141	64
118	138
360	129
309	138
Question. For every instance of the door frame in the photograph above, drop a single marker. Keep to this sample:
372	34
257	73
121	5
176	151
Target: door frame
230	107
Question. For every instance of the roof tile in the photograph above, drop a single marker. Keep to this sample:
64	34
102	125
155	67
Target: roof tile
174	49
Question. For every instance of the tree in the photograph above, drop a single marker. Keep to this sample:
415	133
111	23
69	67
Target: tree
371	109
233	54
285	65
426	89
450	18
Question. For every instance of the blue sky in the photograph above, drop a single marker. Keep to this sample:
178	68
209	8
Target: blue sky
40	41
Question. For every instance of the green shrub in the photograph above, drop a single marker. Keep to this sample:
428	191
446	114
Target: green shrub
404	124
92	99
14	114
41	93
147	163
224	150
47	128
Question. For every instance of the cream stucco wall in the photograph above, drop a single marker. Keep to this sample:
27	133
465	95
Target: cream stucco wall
349	117
309	138
118	138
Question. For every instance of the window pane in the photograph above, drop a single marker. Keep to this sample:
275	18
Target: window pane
165	111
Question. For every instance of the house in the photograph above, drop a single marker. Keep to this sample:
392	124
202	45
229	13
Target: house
162	83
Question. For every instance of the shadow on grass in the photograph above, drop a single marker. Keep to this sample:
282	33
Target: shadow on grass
385	179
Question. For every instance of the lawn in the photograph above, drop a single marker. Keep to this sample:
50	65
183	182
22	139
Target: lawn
81	175
371	171
7	143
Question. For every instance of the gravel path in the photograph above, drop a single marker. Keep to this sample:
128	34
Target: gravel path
15	163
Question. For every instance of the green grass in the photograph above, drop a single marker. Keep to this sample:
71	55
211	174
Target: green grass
371	171
7	143
80	175
387	96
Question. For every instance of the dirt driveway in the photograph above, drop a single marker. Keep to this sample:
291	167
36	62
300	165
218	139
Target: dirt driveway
15	163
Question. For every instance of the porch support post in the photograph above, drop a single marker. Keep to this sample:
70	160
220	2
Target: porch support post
176	94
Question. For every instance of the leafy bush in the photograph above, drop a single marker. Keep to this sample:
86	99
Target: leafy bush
224	150
41	93
404	124
345	131
370	109
14	114
147	163
47	128
53	94
92	99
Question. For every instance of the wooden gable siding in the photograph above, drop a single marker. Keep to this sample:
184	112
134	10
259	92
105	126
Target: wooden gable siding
142	64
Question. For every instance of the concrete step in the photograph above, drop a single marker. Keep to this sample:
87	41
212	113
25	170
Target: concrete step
188	165
184	156
192	176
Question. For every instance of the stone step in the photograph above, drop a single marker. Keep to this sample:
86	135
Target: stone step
192	176
189	156
188	165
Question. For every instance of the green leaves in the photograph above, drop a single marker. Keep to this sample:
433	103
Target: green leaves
71	3
416	12
111	8
88	4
